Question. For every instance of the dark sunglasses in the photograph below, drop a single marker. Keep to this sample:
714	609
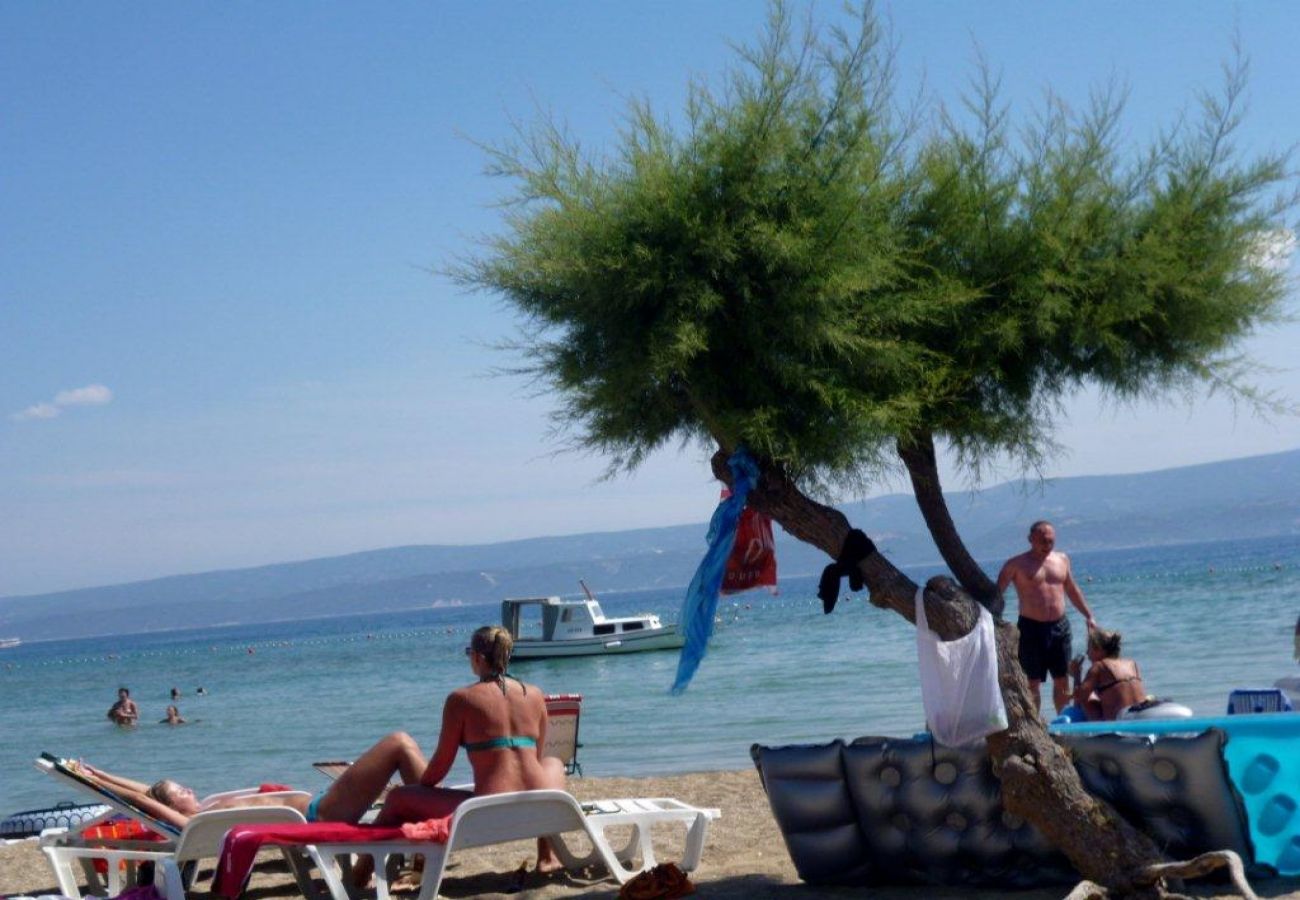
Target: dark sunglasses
469	651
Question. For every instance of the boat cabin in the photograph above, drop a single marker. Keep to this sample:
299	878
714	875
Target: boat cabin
565	619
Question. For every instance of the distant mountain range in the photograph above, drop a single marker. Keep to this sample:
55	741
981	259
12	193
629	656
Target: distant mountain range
1253	497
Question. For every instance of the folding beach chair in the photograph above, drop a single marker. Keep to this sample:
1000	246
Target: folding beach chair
562	714
176	852
1257	700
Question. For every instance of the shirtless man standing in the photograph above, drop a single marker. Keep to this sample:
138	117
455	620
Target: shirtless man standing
1043	580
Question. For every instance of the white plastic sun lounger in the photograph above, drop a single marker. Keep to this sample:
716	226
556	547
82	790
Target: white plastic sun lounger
522	815
176	854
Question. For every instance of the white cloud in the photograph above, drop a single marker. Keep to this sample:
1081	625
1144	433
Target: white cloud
90	395
37	411
1273	249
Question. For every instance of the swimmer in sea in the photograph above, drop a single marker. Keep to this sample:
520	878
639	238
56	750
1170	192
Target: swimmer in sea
173	717
124	712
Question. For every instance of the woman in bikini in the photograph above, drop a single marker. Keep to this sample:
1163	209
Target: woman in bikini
346	800
501	723
1113	683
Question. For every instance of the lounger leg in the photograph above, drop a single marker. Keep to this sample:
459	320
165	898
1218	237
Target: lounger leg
381	875
300	865
614	861
114	877
695	843
330	873
435	864
173	880
63	873
568	858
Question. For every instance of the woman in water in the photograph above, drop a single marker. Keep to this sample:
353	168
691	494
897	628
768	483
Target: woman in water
501	723
1113	683
173	716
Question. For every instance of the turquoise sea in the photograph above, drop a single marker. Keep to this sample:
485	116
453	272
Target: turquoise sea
1200	619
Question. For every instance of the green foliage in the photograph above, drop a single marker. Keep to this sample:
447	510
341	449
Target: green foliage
802	269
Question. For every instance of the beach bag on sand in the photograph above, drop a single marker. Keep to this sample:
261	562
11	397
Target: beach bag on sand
664	882
959	681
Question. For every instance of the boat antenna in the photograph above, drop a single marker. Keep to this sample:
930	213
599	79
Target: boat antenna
586	590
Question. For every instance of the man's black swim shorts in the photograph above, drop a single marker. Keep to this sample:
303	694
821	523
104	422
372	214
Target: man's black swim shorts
1044	647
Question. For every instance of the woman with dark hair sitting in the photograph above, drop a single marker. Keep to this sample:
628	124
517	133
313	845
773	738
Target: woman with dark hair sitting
1113	683
501	723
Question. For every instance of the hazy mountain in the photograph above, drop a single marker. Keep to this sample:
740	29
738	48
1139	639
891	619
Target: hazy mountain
1252	497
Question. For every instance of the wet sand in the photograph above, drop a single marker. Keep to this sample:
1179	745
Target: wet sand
744	858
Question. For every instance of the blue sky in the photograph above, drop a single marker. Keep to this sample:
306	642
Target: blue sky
222	338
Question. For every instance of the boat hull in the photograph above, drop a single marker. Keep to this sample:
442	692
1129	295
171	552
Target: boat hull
599	645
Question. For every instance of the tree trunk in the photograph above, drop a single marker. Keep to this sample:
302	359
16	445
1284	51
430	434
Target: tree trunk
1039	783
918	455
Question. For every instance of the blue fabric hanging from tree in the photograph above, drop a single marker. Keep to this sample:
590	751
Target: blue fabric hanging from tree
701	602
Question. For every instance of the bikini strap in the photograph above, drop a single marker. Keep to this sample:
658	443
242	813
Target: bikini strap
500	679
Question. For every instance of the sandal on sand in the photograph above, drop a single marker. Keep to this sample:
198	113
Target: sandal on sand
407	882
664	882
409	879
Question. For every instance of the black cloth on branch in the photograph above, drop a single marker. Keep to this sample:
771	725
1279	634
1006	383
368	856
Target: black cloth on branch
857	547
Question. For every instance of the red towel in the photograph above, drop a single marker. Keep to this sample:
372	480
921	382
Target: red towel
243	841
273	788
118	829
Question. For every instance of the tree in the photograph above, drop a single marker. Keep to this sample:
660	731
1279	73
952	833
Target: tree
1063	264
810	272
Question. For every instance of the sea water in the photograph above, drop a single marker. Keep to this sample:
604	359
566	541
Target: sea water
1199	619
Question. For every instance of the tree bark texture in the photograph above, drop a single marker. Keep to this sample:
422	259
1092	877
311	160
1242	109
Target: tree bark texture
918	455
1039	783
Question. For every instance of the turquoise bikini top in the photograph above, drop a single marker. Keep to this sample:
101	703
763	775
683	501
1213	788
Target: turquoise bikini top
509	742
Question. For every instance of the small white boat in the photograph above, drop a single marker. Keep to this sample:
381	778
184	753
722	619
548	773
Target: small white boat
6	643
580	628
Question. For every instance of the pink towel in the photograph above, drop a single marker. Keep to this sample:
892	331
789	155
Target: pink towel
436	830
242	842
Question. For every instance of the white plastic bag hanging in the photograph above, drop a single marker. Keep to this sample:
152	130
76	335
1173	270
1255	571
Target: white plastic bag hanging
959	681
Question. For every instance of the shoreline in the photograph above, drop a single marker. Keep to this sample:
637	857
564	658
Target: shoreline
744	858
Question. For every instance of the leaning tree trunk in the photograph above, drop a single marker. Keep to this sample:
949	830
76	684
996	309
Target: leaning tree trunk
1039	783
918	455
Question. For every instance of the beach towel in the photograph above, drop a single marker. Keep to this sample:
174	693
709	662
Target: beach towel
119	828
959	681
701	603
241	844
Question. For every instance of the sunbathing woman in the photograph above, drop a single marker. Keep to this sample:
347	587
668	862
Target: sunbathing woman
346	800
1113	683
501	723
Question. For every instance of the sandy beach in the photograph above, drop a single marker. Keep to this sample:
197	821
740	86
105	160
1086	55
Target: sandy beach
744	858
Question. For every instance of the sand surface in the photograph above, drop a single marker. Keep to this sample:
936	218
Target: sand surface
744	858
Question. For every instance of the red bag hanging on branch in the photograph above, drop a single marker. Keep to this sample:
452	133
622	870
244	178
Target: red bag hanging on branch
752	562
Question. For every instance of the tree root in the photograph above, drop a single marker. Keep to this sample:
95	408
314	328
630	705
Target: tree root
1154	877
